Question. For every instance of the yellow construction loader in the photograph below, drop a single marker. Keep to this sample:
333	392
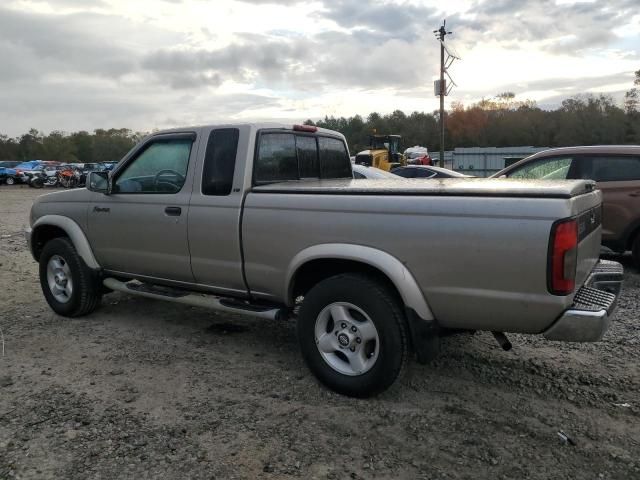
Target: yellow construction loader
383	153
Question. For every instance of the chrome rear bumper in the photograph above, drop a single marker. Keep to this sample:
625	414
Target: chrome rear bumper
593	306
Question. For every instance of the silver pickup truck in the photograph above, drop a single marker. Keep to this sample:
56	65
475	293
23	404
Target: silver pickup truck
266	220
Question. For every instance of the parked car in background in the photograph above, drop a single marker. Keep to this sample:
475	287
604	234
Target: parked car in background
28	165
89	167
7	175
9	163
106	166
363	171
616	170
424	171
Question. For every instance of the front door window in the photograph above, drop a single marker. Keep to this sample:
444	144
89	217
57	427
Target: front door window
160	168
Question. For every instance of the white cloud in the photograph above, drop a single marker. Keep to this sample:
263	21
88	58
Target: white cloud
83	64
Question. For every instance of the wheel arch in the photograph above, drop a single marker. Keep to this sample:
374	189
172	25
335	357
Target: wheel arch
318	262
48	227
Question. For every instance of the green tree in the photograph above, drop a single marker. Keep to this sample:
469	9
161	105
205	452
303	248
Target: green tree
632	109
30	145
58	147
9	148
111	145
83	145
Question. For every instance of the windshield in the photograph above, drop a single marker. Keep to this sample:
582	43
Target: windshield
392	144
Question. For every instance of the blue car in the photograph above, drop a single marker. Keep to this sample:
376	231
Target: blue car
30	165
8	175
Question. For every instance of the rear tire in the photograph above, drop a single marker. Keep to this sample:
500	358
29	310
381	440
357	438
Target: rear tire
635	251
70	287
353	335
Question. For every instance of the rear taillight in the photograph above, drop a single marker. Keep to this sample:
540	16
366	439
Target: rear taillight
563	257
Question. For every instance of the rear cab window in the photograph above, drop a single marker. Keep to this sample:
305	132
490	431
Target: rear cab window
286	155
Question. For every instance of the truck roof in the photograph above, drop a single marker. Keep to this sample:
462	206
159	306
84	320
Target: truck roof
476	187
254	125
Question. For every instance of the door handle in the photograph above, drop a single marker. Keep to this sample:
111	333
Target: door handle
173	211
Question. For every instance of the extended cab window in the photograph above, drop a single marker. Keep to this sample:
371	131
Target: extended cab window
289	156
553	168
160	168
220	161
334	159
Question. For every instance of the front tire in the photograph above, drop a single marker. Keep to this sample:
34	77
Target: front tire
69	286
353	334
10	181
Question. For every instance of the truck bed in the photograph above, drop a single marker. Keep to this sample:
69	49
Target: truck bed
481	261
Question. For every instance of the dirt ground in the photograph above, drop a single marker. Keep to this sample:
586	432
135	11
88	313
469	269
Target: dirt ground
145	389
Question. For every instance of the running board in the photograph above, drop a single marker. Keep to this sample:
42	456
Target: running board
223	304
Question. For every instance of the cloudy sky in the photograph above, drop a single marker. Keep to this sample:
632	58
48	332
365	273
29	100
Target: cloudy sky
145	64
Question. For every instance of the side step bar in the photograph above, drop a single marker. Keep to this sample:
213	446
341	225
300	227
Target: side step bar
203	300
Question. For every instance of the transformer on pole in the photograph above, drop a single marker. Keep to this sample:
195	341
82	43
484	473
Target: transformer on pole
447	57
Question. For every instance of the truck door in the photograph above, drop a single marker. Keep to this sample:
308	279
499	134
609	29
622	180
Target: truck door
141	226
216	208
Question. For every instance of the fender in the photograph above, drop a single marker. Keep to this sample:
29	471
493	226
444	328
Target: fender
75	233
393	268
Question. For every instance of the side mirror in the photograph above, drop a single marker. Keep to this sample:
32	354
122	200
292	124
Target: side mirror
98	182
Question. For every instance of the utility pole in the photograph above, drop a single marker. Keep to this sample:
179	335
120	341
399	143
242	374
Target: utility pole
442	32
441	87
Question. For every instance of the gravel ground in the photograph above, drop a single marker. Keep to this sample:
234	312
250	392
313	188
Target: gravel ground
144	389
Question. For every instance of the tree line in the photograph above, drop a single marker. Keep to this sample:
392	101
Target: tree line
83	147
502	121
